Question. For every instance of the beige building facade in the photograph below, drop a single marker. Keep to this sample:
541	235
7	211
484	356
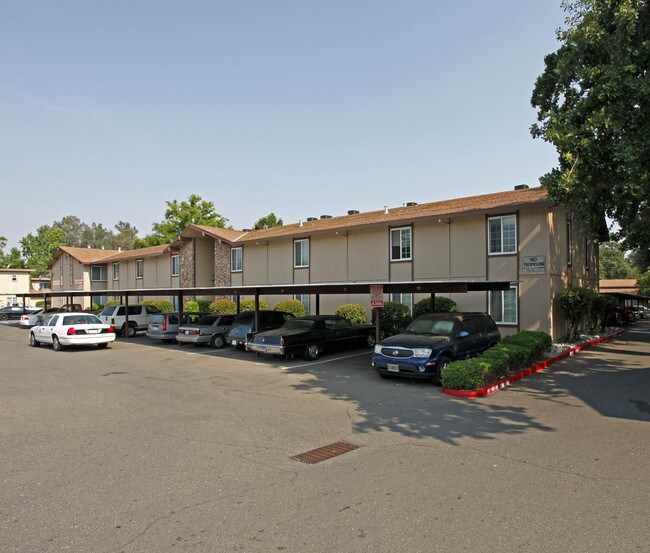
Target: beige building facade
13	284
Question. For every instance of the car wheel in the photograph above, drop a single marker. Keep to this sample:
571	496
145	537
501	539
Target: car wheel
442	365
312	352
3	316
56	345
104	345
370	340
217	341
32	340
128	331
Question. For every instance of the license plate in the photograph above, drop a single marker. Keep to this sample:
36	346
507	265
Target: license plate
393	368
93	331
234	342
261	349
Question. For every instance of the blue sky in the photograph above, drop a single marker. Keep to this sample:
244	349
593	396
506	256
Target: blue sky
109	109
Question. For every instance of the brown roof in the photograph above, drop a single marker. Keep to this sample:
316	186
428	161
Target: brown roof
621	285
83	255
151	251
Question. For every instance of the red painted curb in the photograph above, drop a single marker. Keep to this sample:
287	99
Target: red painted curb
506	381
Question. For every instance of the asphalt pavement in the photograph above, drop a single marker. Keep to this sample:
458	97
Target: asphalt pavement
145	447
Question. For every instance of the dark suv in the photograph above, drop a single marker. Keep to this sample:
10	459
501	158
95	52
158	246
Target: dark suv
245	324
431	342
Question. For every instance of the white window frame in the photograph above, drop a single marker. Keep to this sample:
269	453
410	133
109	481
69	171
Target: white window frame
100	279
301	258
237	260
175	268
405	251
499	318
501	245
139	268
404	298
116	270
304	299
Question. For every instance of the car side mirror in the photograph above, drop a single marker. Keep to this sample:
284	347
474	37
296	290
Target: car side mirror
463	334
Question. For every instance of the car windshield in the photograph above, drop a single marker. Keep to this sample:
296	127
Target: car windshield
80	320
208	320
298	324
431	326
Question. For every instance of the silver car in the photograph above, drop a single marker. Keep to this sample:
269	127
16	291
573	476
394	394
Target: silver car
210	329
164	326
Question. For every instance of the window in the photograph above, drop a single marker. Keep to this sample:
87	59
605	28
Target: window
236	259
301	253
176	265
503	306
400	244
502	234
569	241
404	299
139	268
304	299
116	271
98	273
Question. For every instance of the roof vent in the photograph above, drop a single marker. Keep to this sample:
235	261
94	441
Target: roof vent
385	209
352	212
410	204
245	230
325	216
522	187
310	219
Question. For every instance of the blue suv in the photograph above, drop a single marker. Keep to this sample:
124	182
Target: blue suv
431	342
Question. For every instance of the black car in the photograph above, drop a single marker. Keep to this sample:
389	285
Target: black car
311	336
431	342
244	324
13	312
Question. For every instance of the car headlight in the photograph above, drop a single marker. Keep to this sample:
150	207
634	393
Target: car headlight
422	353
378	348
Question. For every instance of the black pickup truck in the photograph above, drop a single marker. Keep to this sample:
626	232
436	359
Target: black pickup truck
310	336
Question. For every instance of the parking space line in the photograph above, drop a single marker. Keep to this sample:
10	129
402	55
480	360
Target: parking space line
311	364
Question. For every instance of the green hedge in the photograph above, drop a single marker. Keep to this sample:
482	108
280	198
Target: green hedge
295	307
443	305
164	305
355	313
249	305
223	307
510	355
394	316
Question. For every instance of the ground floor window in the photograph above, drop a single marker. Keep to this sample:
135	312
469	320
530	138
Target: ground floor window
503	306
304	299
404	299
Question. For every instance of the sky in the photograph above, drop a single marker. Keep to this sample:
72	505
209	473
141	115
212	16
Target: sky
301	108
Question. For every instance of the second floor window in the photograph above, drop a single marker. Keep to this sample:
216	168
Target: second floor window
400	244
139	268
176	265
98	273
502	234
116	271
236	264
301	253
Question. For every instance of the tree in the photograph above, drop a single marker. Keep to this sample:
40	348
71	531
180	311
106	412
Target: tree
73	230
12	260
268	221
643	283
38	249
97	235
125	236
178	216
613	263
593	102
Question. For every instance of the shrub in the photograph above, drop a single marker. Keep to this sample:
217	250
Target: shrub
574	304
355	313
164	305
223	306
192	306
443	305
394	316
602	307
93	307
40	304
204	305
112	302
295	307
467	374
249	305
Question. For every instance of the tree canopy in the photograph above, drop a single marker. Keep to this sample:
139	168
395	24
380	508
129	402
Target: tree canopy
593	105
39	248
95	235
13	259
267	221
613	263
178	216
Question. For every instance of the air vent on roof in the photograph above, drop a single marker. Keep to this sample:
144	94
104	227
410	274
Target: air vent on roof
410	204
352	212
245	230
309	219
325	216
522	187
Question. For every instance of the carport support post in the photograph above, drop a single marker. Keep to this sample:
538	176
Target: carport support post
126	317
377	325
257	310
433	302
317	304
180	304
238	304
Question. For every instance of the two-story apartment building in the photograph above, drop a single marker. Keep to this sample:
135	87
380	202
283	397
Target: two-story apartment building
13	284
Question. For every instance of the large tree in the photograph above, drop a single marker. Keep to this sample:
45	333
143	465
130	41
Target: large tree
180	215
593	102
39	248
73	230
267	221
11	260
613	263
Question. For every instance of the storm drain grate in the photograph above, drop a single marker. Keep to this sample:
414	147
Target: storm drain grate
323	453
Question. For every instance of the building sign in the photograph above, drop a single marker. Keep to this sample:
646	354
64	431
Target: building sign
533	264
376	295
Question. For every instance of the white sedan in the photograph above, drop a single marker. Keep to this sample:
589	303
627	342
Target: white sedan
31	318
72	329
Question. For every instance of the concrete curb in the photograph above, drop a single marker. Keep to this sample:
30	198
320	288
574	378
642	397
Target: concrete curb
508	380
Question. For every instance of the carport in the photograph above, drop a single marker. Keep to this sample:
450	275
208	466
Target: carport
419	287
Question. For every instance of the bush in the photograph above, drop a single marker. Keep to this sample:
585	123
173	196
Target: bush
249	305
223	306
295	307
112	302
164	305
192	306
394	316
575	306
602	307
40	304
93	307
512	354
443	305
355	313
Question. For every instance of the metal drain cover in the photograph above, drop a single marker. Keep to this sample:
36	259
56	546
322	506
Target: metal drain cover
323	453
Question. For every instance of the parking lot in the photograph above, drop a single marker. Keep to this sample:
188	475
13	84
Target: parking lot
147	447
